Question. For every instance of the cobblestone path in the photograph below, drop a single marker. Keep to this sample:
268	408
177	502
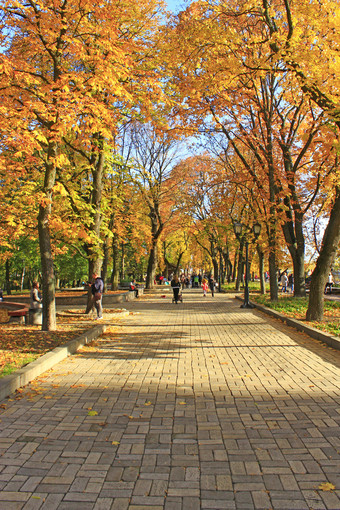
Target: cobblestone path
202	405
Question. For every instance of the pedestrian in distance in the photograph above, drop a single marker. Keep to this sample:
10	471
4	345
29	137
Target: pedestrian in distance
35	297
329	284
291	282
97	289
212	285
176	285
205	287
284	281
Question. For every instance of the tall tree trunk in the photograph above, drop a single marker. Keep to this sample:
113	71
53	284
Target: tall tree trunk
179	261
122	265
261	269
8	277
45	209
156	230
330	245
105	261
293	232
228	265
115	263
240	264
93	250
274	288
152	265
22	277
215	267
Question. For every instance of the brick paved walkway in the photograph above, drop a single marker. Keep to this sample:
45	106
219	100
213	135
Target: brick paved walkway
195	406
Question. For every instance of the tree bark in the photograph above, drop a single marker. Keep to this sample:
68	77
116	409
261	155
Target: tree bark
8	278
274	288
105	261
261	270
240	264
293	232
97	165
152	265
330	245
115	263
228	265
45	209
156	230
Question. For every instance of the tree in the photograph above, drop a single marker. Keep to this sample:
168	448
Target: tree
223	46
65	69
151	154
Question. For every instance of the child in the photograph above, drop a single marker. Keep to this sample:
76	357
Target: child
205	287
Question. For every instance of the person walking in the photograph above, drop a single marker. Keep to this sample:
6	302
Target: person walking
212	285
97	289
35	309
35	297
176	285
205	287
284	281
329	284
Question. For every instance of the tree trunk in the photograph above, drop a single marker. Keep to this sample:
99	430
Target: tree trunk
178	262
330	245
152	265
115	263
261	270
45	209
274	289
240	264
215	266
122	267
293	232
228	265
93	251
105	261
8	278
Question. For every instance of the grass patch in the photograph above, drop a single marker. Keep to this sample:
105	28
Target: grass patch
21	362
296	308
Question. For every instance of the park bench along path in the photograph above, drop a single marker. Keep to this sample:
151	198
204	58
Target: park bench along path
201	405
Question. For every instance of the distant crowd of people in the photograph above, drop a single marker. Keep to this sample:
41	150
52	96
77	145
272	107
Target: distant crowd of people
186	281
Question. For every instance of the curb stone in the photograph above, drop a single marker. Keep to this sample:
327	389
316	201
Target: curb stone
25	375
317	334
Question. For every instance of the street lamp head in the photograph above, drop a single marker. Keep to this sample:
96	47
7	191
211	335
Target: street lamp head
237	228
257	229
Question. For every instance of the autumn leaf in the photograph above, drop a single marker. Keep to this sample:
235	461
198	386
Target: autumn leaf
92	413
326	486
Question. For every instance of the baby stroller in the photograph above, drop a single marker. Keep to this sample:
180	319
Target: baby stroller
179	297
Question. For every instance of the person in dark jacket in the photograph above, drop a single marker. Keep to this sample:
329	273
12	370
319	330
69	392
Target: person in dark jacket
176	285
97	289
212	285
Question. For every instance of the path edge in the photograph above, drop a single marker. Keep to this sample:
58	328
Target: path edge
23	376
317	334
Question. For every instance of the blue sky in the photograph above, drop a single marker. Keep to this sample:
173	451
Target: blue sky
174	5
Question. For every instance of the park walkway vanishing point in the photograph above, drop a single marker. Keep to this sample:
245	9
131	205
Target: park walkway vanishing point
201	405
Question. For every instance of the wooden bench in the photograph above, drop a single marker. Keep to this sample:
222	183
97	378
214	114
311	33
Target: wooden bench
16	311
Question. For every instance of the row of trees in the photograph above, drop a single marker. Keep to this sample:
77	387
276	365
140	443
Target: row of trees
96	97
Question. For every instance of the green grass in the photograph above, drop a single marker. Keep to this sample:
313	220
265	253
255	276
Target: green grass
296	308
12	367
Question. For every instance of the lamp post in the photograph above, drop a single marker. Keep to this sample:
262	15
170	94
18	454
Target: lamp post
238	232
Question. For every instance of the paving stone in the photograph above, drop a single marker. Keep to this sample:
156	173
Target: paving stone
200	406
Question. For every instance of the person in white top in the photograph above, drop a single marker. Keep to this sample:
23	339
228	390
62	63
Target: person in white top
329	284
